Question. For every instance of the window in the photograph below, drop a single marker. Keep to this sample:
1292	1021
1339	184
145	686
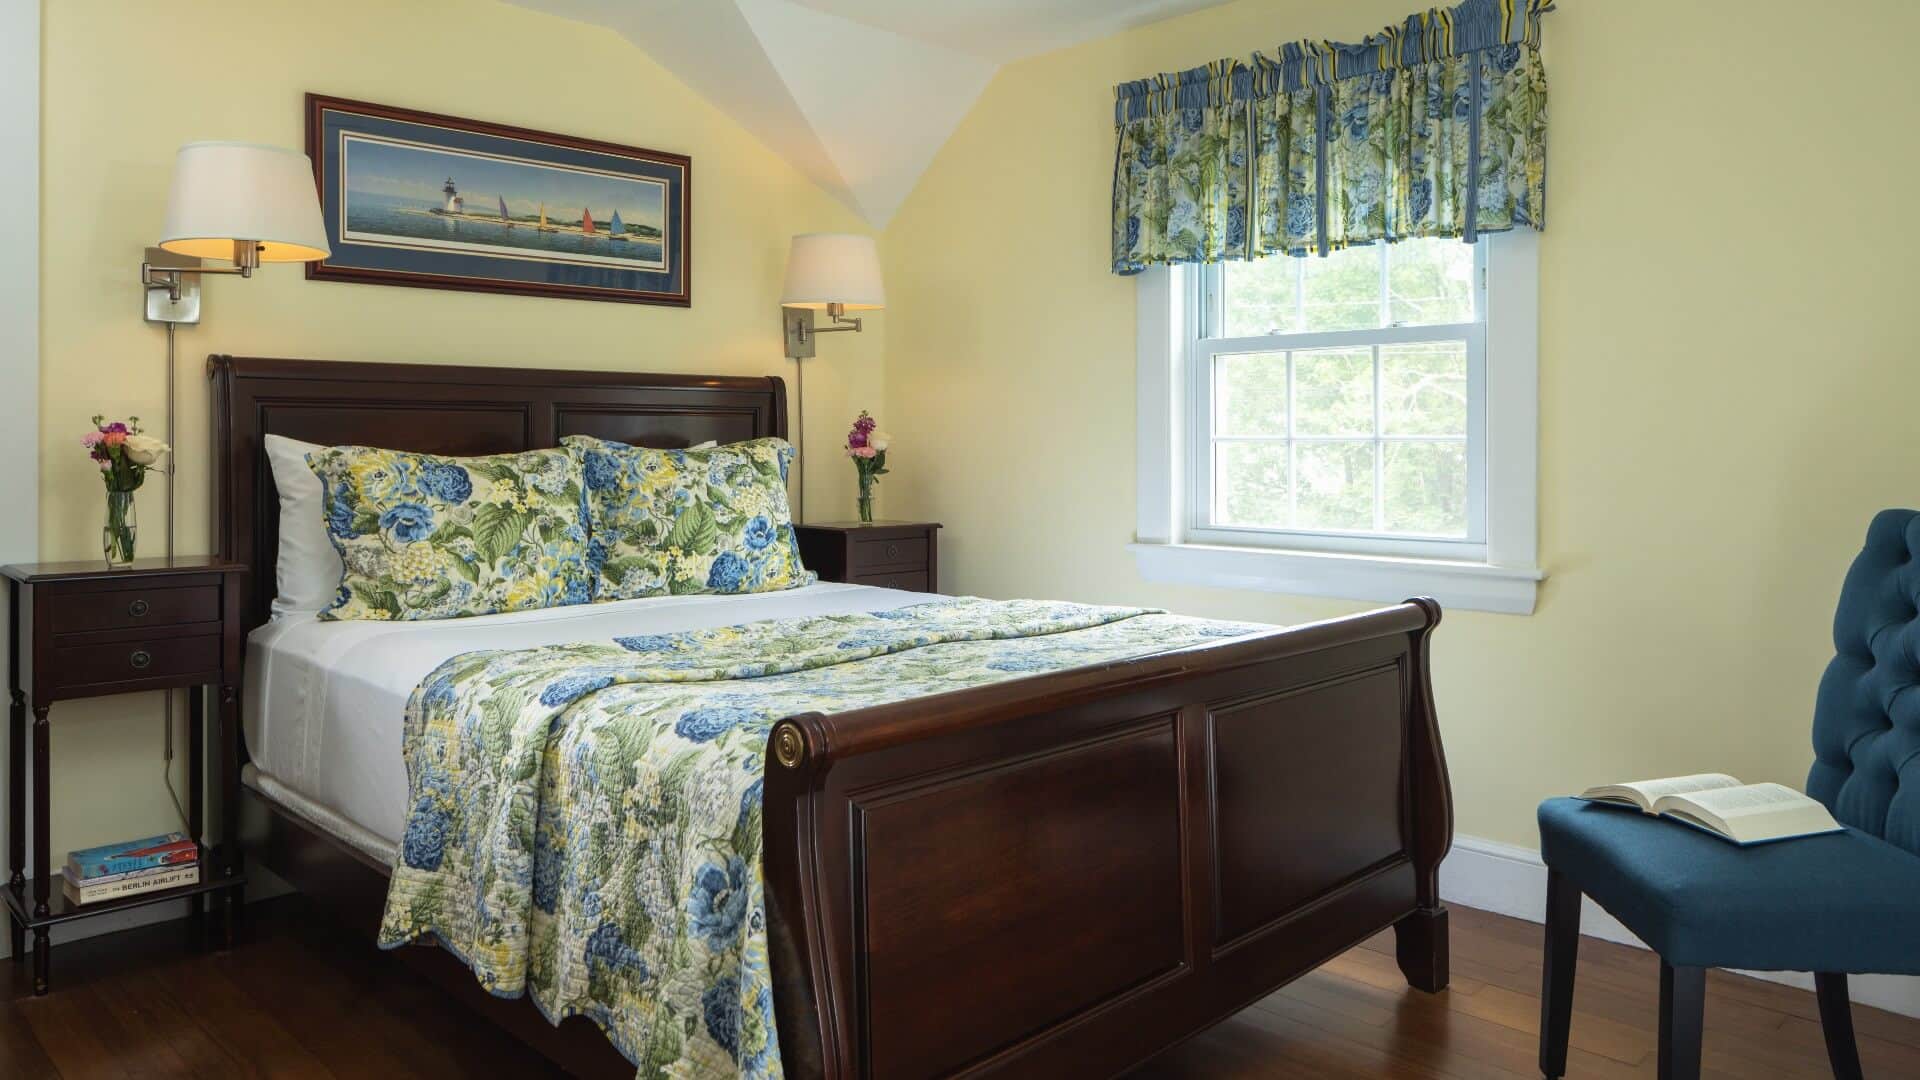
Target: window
1336	400
1366	421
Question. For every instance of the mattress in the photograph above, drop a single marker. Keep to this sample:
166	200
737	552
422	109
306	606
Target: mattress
325	701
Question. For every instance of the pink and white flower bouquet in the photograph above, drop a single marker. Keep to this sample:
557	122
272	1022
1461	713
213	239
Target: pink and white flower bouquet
124	454
867	446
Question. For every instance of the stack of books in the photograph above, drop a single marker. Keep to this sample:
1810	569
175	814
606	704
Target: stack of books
117	871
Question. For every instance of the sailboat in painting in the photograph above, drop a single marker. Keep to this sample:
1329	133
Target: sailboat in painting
544	227
586	221
615	229
503	212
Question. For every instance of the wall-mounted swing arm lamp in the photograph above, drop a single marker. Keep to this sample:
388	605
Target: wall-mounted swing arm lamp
236	201
831	272
248	203
241	202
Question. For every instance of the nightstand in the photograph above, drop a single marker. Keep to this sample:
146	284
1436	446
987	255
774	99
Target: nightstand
890	554
80	630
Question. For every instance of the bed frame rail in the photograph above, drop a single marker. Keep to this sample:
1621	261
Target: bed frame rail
1065	874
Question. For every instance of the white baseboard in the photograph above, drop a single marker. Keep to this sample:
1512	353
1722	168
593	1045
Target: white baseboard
1510	880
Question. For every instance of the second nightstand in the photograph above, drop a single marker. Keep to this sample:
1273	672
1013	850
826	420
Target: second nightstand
890	554
80	630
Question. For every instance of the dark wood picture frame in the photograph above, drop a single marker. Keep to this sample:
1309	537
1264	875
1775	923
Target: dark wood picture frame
676	291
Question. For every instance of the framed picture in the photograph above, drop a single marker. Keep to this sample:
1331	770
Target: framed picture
438	202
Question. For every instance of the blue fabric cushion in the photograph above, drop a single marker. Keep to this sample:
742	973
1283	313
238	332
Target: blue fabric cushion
1866	719
1839	902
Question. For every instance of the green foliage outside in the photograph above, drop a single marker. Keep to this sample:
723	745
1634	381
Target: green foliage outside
1325	477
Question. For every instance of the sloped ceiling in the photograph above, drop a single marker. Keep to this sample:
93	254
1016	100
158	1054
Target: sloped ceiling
857	94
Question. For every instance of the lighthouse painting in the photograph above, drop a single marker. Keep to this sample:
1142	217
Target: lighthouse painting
433	204
404	195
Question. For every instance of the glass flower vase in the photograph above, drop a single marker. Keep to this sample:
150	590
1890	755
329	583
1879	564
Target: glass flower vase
117	534
865	501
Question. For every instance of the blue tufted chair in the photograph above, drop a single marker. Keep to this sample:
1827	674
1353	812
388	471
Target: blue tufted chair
1833	904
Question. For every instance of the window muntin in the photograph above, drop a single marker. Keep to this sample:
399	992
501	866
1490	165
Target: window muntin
1341	405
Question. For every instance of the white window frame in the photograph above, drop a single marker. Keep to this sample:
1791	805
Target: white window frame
1492	569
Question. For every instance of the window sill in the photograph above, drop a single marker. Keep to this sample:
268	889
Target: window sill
1471	586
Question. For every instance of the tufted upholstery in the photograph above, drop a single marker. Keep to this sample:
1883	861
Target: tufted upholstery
1839	902
1866	719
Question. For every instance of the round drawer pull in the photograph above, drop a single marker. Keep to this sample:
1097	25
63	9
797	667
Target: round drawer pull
140	659
893	551
138	609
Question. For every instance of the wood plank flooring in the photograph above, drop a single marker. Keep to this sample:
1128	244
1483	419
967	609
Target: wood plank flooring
298	998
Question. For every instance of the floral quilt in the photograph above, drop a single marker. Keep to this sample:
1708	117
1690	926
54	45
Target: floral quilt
585	818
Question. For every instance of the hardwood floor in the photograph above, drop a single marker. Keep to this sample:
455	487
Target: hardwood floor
298	998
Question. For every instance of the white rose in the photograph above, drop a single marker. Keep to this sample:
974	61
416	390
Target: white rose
145	449
879	440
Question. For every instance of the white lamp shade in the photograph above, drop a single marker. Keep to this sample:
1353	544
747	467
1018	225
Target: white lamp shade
834	268
225	192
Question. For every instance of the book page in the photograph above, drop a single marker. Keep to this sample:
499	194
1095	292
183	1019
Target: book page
1644	793
1746	800
1751	813
1654	790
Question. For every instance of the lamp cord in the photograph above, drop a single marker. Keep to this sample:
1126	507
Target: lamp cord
166	696
800	440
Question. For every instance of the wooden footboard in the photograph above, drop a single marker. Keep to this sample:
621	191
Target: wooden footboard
1065	874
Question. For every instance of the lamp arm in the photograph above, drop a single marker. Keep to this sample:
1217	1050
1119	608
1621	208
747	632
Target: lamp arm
841	324
170	279
246	259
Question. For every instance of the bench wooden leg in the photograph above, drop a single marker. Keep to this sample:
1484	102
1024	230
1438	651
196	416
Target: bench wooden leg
1683	1008
1836	1022
1556	983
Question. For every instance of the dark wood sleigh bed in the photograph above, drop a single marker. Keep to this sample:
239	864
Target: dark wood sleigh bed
1054	876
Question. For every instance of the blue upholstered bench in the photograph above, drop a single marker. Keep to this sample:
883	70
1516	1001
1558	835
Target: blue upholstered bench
1833	904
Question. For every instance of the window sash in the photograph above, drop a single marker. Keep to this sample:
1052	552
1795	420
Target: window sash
1204	302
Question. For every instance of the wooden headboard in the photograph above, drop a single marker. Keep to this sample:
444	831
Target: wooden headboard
443	409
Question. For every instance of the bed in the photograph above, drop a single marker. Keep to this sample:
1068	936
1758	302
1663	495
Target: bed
1262	803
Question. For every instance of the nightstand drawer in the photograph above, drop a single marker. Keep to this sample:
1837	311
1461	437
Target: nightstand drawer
911	581
890	554
77	612
906	552
87	663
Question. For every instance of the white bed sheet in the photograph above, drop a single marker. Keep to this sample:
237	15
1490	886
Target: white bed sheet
325	701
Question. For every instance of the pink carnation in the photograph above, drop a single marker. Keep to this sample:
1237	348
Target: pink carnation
115	438
91	439
862	451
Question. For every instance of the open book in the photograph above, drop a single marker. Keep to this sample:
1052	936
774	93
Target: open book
1723	806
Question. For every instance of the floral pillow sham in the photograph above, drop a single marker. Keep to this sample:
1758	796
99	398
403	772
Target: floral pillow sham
673	522
429	537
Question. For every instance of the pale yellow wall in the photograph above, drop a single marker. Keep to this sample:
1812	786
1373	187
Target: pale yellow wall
126	83
1728	378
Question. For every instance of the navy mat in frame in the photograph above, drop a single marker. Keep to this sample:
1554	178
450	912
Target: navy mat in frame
429	201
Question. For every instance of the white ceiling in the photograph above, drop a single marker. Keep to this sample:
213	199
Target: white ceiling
857	94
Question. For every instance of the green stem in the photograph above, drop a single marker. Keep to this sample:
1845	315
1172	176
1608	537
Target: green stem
117	536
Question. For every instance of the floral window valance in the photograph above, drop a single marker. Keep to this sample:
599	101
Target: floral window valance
1434	128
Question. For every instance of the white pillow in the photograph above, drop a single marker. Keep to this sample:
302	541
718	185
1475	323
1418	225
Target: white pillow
308	572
